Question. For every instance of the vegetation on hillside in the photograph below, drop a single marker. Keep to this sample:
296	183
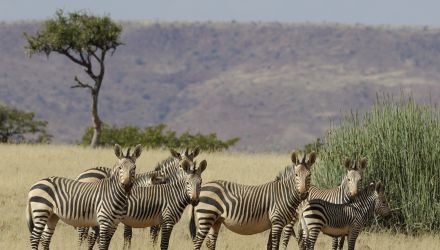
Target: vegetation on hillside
158	136
258	81
19	126
401	141
84	39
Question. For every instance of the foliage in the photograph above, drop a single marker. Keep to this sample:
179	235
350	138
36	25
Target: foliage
75	33
19	126
157	137
401	141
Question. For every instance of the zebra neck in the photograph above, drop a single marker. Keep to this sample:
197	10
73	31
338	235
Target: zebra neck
343	190
177	190
119	188
365	202
289	184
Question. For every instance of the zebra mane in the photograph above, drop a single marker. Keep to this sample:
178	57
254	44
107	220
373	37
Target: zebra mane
285	173
165	163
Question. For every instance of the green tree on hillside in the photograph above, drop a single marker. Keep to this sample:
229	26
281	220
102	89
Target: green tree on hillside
19	126
86	40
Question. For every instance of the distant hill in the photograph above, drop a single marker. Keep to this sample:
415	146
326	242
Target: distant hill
276	86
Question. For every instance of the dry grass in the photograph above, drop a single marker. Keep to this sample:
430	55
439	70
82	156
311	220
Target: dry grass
23	165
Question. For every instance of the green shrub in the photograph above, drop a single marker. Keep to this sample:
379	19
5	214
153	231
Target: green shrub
401	141
157	137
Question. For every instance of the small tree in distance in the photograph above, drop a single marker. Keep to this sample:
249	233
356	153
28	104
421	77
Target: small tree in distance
20	126
84	39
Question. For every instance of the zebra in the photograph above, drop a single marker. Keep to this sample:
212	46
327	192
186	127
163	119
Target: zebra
246	209
164	204
166	167
344	193
341	219
102	203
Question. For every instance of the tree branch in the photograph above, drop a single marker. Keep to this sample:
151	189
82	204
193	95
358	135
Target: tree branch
75	60
81	84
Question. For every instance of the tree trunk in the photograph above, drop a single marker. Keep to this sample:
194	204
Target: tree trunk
96	139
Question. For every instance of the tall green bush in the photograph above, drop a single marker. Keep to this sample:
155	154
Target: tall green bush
158	136
401	140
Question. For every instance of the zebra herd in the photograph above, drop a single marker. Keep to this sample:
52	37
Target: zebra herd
99	198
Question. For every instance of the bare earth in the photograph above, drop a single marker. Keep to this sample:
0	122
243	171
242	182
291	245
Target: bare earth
23	165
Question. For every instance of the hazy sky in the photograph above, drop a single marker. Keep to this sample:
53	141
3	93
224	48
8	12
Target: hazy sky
395	12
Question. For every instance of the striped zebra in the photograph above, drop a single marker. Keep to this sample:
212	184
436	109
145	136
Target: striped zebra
164	204
102	203
346	191
246	209
339	220
165	168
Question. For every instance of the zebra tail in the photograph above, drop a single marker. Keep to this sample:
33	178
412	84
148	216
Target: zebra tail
192	224
29	217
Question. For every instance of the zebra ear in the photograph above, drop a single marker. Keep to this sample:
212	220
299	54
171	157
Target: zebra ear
380	187
294	158
175	154
118	151
202	166
137	152
186	166
196	152
347	163
363	163
312	159
372	186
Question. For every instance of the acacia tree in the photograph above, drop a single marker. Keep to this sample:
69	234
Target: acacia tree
17	126
84	39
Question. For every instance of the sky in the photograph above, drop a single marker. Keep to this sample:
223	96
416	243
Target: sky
373	12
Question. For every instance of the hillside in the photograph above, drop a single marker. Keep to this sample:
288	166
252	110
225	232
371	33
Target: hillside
276	86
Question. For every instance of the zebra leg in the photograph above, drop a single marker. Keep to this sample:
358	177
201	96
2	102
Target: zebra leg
311	239
275	235
82	235
202	231
341	243
269	241
105	235
335	242
212	235
154	233
128	234
39	222
48	231
285	235
352	236
167	228
93	237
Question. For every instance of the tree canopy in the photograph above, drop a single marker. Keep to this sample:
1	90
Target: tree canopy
20	126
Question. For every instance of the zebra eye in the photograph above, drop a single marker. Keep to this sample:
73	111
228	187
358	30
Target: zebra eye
296	175
187	183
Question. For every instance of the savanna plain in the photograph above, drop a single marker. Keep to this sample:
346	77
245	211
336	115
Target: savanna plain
23	165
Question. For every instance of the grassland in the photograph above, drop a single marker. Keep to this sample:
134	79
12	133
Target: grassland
23	165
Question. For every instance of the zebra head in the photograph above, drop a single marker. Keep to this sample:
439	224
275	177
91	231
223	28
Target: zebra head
354	175
125	168
193	179
302	172
381	207
156	179
187	154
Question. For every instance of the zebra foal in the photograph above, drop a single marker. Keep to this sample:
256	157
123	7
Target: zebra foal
102	203
246	209
339	220
344	193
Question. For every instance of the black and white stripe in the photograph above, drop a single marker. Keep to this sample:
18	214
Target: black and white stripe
347	190
167	167
339	220
246	209
102	203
